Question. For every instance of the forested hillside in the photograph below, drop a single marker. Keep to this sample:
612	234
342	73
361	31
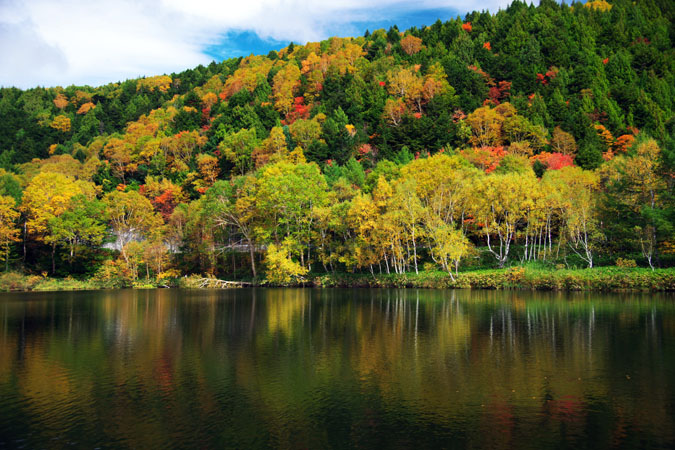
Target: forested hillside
531	134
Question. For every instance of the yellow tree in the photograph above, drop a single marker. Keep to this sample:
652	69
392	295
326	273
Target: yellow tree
161	82
408	85
61	123
82	97
134	256
155	255
448	244
394	111
407	209
181	146
131	218
208	168
118	152
48	196
411	44
281	269
391	226
537	212
314	70
486	127
285	83
442	184
598	5
9	232
499	204
252	71
63	164
578	206
552	190
518	129
209	99
363	218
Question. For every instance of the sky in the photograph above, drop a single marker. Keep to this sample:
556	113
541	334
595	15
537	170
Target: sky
93	42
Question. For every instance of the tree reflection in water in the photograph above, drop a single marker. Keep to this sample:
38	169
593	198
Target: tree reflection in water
317	368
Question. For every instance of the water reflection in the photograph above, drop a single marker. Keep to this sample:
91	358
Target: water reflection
342	368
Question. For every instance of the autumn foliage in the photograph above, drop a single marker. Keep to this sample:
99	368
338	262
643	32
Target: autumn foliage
61	101
86	107
411	44
61	123
299	111
485	158
438	137
161	83
553	161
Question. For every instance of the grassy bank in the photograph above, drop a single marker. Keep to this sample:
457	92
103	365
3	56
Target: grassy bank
17	282
597	279
13	281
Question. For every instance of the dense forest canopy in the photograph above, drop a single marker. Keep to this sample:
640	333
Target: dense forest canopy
535	133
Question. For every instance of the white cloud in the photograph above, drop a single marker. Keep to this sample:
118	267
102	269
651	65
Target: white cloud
44	42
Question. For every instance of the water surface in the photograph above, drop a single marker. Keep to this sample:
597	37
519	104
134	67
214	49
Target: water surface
304	368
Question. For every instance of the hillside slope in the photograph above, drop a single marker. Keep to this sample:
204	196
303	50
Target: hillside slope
523	92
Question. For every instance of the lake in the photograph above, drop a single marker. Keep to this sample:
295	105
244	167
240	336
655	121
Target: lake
337	368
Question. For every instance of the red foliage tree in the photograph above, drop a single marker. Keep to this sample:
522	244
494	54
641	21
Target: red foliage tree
499	92
553	161
299	111
623	143
485	158
165	204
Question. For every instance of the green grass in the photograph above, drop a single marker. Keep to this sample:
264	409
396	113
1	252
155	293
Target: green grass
14	281
529	277
65	284
518	277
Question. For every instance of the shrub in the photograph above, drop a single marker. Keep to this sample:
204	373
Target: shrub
281	269
625	263
13	281
515	274
114	274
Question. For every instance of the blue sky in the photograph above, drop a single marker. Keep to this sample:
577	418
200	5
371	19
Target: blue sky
50	43
243	43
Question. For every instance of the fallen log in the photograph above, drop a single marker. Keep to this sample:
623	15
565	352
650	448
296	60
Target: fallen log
214	283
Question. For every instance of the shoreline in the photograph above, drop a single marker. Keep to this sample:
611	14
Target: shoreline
602	279
519	278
